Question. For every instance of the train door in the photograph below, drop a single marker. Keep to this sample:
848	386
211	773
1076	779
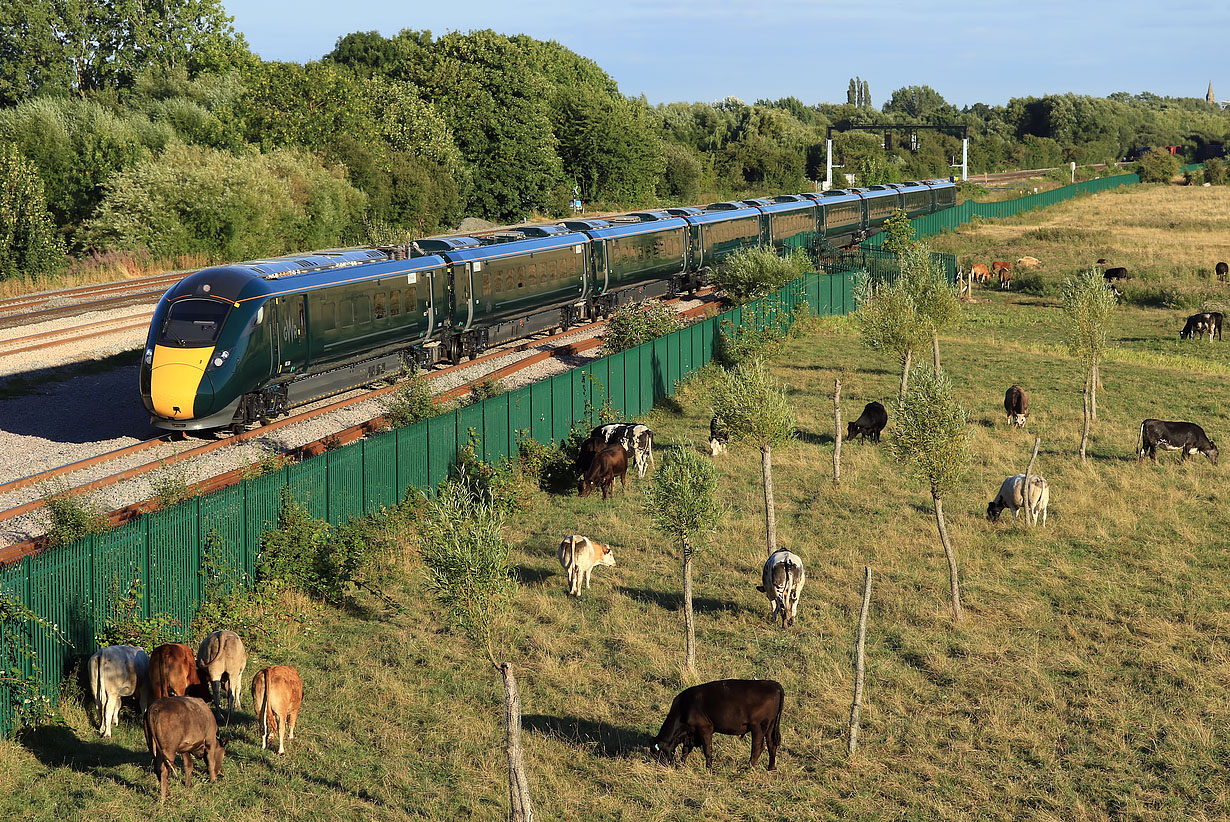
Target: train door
437	293
290	339
463	295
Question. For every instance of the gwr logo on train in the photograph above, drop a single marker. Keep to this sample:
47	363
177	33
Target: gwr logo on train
244	343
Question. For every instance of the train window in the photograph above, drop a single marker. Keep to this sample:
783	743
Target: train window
394	303
552	270
379	306
520	276
345	314
362	309
533	273
412	299
328	316
487	282
193	323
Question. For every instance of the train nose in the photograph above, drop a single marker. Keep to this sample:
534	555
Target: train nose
177	381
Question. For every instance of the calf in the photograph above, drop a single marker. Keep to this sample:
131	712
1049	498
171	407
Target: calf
178	725
1206	322
636	439
173	672
222	656
1011	495
980	272
728	706
718	436
869	424
783	577
277	693
607	464
116	672
1016	405
1222	271
1028	262
578	555
1184	437
1004	269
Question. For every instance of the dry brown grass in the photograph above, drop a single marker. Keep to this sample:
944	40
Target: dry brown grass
101	268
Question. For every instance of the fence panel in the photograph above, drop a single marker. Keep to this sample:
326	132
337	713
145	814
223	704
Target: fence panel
345	473
520	411
540	409
310	481
222	529
380	472
60	589
470	419
262	503
411	458
497	436
119	555
441	447
175	562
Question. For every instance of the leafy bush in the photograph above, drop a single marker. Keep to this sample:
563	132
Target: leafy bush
551	468
410	403
29	244
1030	282
21	694
485	389
125	625
749	341
496	482
170	484
72	516
1215	171
638	323
1158	166
755	272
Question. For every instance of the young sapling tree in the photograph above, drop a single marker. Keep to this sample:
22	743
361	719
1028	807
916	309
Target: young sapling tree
1088	305
888	321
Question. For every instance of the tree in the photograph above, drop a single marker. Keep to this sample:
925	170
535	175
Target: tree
898	232
466	562
1088	304
889	322
756	412
852	94
682	501
29	245
921	103
1158	166
932	437
935	300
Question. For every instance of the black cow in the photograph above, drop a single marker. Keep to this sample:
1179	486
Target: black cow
585	454
719	435
870	424
1112	274
1184	437
1206	322
637	440
607	464
1016	405
1222	271
727	706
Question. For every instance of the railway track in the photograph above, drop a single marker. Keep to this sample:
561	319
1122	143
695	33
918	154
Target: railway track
72	334
345	436
69	302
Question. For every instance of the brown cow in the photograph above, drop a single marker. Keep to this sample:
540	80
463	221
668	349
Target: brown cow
1222	271
181	725
980	272
1028	262
277	693
607	464
1003	268
173	672
728	706
222	657
1016	405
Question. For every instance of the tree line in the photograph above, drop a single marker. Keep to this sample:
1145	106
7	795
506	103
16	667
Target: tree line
156	131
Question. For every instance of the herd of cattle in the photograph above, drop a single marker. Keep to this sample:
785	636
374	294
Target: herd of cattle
174	688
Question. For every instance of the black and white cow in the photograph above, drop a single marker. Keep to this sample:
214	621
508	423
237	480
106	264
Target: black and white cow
1016	405
1184	437
869	424
1206	322
636	439
719	435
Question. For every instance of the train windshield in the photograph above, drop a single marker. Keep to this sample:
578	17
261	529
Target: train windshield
193	323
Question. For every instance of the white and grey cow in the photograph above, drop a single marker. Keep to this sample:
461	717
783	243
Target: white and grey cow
1011	495
783	577
116	672
636	439
222	655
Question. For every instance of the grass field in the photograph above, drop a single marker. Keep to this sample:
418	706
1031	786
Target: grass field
1090	679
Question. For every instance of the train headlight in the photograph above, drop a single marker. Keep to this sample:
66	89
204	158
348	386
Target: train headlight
221	359
149	356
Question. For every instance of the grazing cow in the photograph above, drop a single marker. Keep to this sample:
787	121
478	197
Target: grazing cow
718	436
727	706
222	657
637	439
980	272
277	693
1184	437
783	578
1222	271
1028	262
1112	274
578	555
869	424
585	454
1011	495
1003	269
607	464
1016	405
1206	322
179	725
173	672
115	672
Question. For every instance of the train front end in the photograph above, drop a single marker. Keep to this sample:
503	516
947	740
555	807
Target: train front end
202	353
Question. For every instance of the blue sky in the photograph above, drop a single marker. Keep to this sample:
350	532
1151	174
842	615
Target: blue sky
969	51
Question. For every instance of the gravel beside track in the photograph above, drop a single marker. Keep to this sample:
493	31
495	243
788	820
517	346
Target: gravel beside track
44	360
85	416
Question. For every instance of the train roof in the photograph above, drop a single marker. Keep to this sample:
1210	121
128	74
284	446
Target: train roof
721	216
686	211
528	245
788	205
632	229
839	196
539	230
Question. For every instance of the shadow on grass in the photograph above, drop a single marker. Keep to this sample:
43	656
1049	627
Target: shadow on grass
604	740
57	746
812	438
534	576
674	601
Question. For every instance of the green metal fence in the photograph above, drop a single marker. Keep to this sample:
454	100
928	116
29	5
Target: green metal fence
950	218
76	587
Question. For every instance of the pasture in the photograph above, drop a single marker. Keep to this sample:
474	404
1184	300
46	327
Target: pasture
1090	679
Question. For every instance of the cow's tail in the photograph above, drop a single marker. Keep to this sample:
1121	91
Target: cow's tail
263	708
95	672
571	556
1140	442
775	730
213	649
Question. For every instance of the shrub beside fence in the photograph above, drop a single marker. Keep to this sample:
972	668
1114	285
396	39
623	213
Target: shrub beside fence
76	587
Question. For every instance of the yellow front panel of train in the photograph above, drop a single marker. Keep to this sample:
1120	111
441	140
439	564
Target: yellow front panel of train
175	376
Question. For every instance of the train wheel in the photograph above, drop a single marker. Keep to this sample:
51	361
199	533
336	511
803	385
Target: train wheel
454	350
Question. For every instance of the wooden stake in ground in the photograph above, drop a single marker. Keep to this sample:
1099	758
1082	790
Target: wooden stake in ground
859	668
837	431
1029	473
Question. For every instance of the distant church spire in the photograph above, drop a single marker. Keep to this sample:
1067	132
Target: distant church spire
1209	98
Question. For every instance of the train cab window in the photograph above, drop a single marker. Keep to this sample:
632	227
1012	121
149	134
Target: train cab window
362	309
380	309
345	313
193	323
394	303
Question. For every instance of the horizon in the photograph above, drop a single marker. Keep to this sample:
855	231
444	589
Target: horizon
1084	51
